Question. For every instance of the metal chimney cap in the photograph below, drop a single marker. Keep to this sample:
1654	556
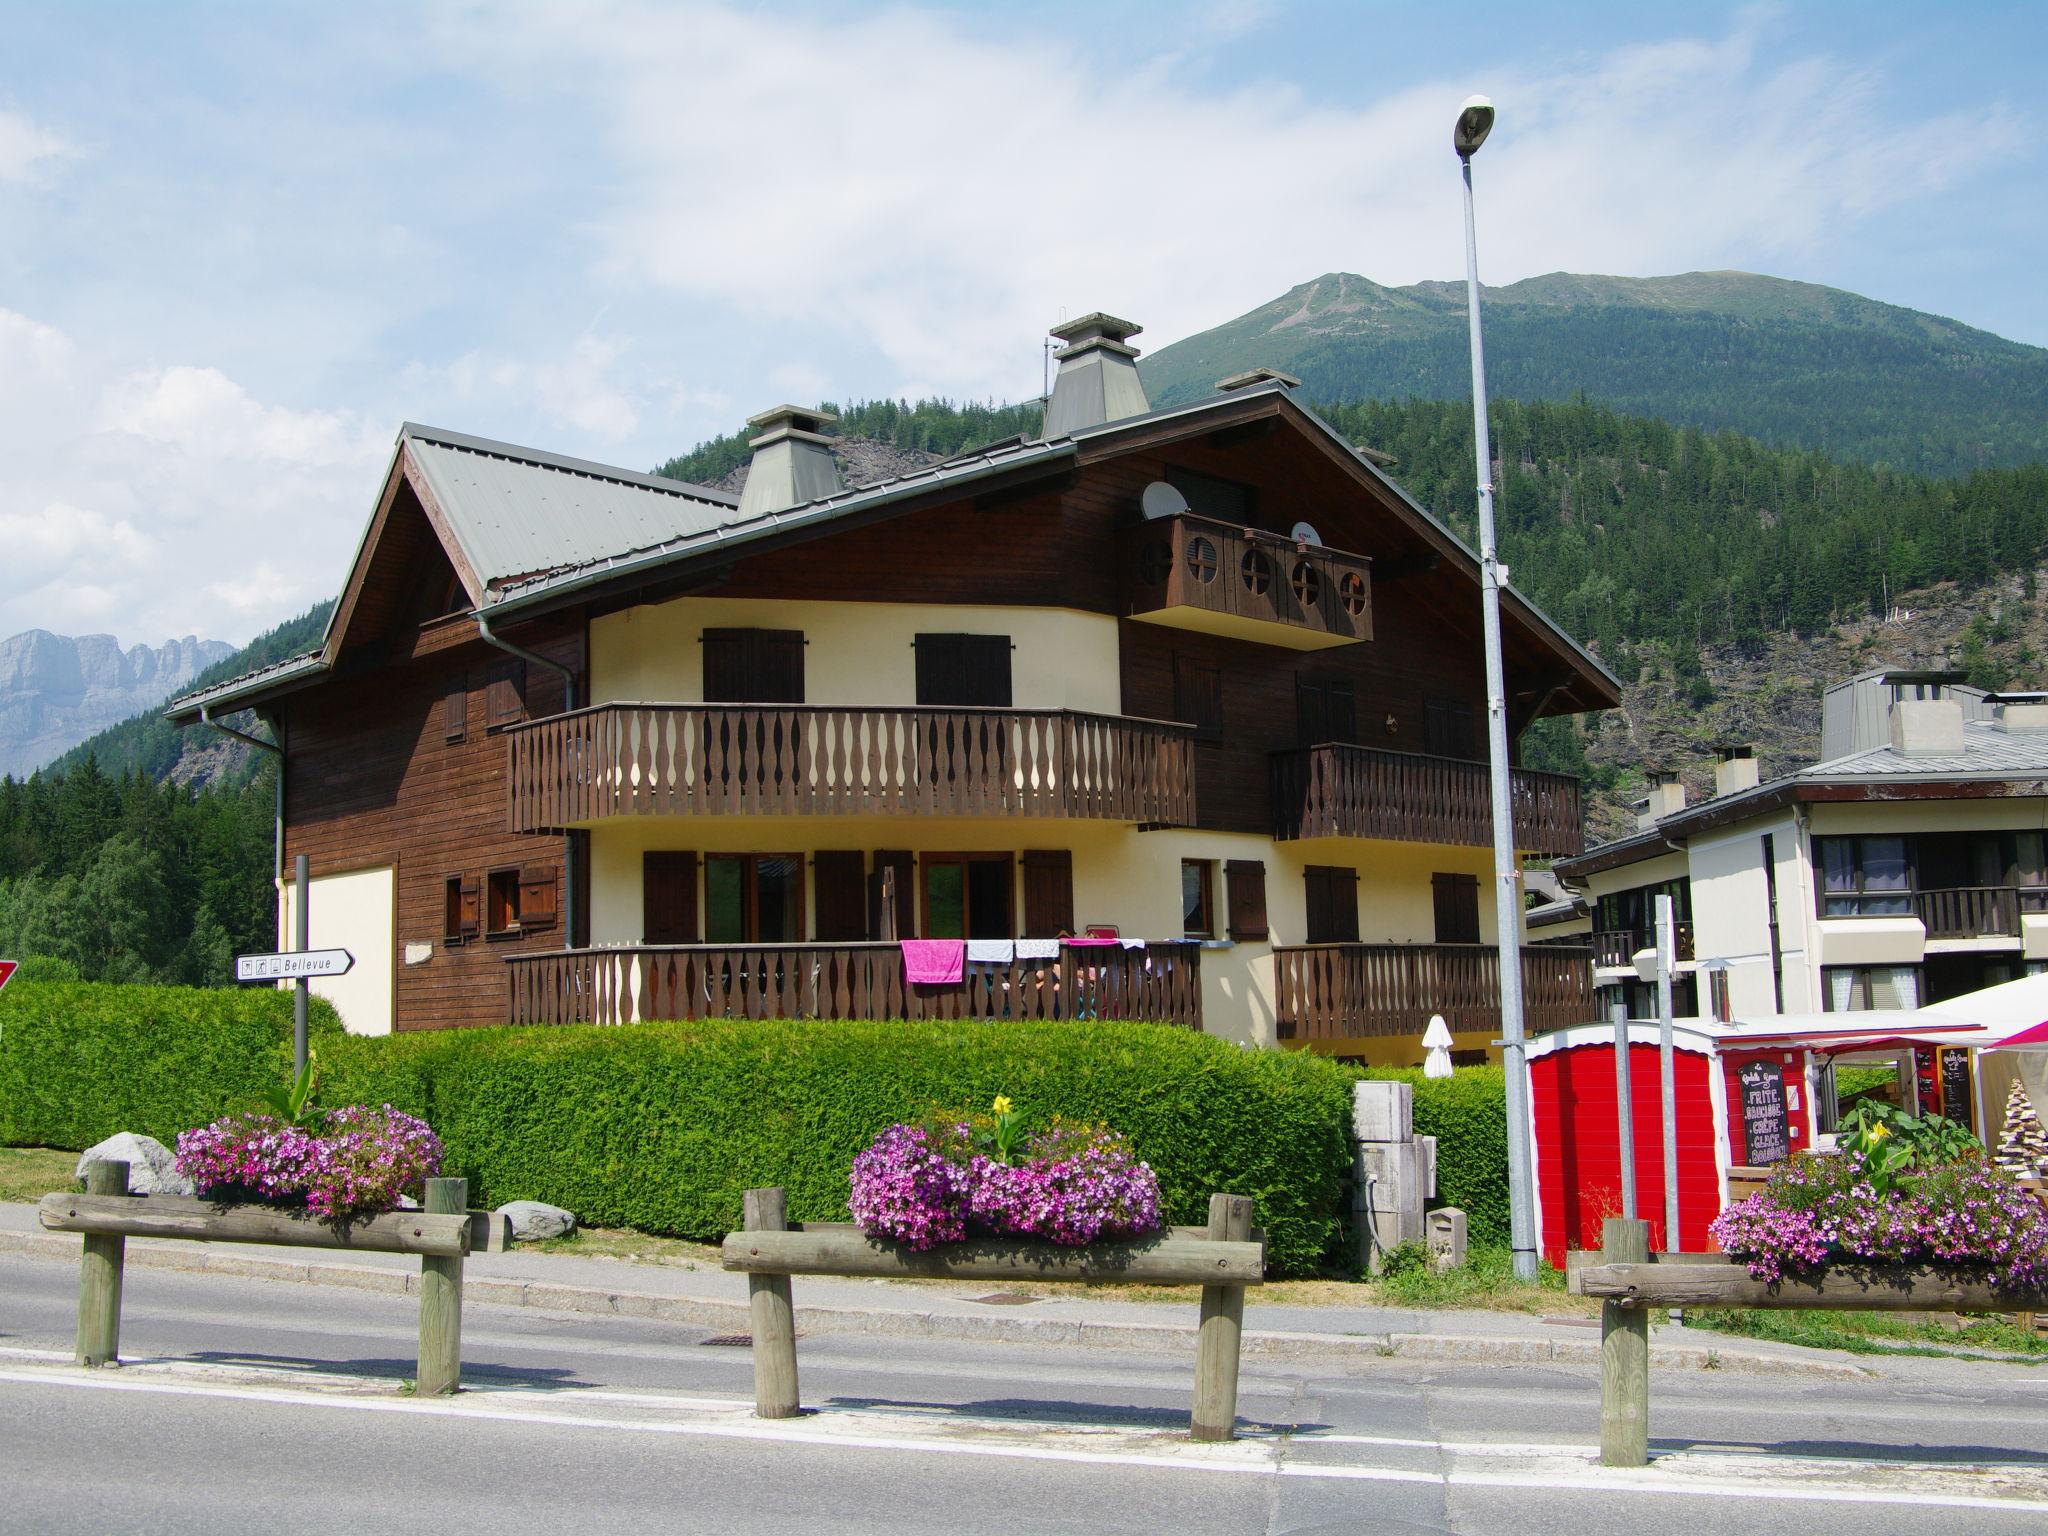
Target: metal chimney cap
805	418
1097	327
1257	375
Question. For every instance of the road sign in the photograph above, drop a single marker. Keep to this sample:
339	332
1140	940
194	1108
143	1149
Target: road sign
7	970
294	965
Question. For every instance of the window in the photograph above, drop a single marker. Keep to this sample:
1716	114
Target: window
459	909
840	878
753	666
963	671
1857	988
1324	712
455	710
668	897
1635	910
1864	877
1228	501
501	903
1245	883
1198	898
753	898
1449	729
1457	908
505	693
967	896
1332	904
1048	893
1198	697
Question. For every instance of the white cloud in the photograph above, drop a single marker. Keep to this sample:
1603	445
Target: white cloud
26	151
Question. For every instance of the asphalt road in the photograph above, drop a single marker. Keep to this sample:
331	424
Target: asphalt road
590	1425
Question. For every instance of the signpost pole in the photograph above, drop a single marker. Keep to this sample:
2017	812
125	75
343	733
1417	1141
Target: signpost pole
302	939
1667	1066
1625	1111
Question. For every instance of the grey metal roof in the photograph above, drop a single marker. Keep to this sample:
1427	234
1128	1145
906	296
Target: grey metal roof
1988	752
516	511
226	692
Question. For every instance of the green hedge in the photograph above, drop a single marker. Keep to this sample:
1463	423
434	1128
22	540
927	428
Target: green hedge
661	1127
1467	1114
80	1061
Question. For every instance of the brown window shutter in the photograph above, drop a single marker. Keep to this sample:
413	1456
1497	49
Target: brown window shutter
539	897
753	666
840	876
1457	908
896	861
668	897
1332	904
1245	885
471	909
1048	893
1198	697
455	710
506	693
1344	893
963	671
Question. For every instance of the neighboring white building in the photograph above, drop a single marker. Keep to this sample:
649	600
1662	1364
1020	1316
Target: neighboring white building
1904	869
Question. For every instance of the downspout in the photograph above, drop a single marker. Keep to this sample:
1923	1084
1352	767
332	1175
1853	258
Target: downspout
277	795
568	676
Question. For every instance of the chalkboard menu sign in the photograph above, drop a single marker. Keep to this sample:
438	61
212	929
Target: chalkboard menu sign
1765	1131
1955	1086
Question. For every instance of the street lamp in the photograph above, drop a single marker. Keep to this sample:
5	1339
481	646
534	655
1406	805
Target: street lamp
1475	122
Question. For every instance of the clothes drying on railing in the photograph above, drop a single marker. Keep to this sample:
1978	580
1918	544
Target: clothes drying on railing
991	951
934	962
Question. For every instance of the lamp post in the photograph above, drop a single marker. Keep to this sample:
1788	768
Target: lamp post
1475	121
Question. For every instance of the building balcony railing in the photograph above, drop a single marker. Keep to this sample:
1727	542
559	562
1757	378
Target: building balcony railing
1161	983
1353	991
1614	947
1196	573
1946	912
1406	797
797	760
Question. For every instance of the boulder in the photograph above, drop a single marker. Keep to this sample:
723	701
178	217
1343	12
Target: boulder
534	1222
152	1167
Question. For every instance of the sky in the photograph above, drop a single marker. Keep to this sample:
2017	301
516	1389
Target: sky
240	243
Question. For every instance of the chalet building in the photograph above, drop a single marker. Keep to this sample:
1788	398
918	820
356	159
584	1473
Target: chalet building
1197	688
1905	868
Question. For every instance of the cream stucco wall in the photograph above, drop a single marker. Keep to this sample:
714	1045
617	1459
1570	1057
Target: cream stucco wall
856	653
1731	906
1833	819
356	912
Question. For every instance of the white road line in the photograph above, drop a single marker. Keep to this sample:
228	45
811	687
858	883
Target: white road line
1260	1460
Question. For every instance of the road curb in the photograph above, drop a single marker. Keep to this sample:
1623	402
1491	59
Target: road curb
732	1316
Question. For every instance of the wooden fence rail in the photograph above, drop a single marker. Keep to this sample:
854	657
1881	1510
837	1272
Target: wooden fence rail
1161	983
108	1216
1223	1259
797	760
1345	991
1346	791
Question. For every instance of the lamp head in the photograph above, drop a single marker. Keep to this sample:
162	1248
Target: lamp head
1475	122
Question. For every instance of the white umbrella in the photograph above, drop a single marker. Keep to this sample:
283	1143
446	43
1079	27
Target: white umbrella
1437	1041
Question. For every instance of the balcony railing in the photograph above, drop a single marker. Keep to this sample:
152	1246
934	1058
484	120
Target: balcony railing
1972	911
796	760
1617	946
1197	573
1346	791
1352	991
1161	983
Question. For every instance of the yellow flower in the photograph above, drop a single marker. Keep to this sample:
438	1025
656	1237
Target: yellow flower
1879	1132
1002	1104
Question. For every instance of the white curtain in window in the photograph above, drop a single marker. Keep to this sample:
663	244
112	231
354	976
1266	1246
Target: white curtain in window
1841	981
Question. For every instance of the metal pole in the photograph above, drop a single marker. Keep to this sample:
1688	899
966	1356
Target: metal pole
1667	1068
302	939
1507	875
1625	1111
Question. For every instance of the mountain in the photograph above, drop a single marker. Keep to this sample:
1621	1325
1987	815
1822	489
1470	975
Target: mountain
1790	364
56	690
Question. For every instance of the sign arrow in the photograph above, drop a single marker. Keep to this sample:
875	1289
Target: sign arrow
7	970
293	965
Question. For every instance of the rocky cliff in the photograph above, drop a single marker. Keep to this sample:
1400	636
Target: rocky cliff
56	690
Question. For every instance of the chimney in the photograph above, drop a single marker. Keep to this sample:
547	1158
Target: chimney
792	463
2023	715
1257	375
1098	378
1927	727
1666	796
1736	771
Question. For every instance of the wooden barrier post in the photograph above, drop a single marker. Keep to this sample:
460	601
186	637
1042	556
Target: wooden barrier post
1216	1344
773	1315
1624	1354
441	1298
99	1275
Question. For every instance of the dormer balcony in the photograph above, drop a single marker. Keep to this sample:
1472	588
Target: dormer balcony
1193	572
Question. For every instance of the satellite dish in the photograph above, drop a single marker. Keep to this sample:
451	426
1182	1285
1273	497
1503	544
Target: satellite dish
1305	533
1162	500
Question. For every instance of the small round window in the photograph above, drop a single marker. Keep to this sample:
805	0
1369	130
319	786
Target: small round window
1155	563
1256	572
1307	584
1202	560
1352	594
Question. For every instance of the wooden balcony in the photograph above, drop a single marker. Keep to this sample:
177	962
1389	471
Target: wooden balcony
1191	572
1616	947
1405	797
795	760
1161	983
1972	911
1354	991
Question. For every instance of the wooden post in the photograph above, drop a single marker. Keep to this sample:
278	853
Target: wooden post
774	1316
99	1275
1624	1354
1216	1345
441	1299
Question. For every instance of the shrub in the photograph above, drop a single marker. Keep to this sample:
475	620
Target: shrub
1467	1114
80	1061
662	1127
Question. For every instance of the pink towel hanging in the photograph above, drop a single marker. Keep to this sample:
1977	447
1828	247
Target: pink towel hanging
934	962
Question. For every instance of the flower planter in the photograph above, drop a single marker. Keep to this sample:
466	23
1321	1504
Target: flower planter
1707	1280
